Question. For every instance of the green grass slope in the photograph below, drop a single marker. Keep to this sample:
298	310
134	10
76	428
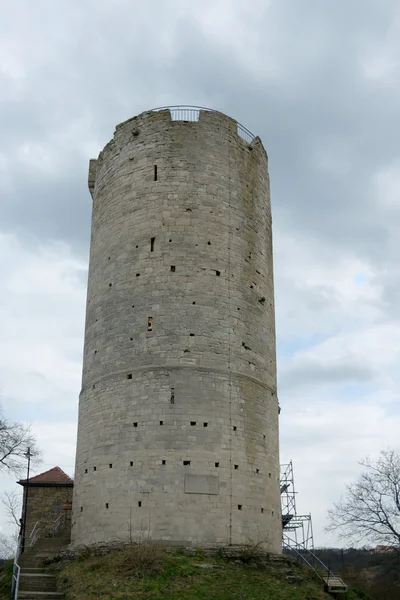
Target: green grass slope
150	573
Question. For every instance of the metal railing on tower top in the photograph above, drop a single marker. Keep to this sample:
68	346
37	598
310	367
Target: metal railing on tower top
183	112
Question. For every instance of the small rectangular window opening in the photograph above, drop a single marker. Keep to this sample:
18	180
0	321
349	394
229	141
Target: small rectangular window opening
257	470
155	172
94	468
205	424
85	470
236	467
135	424
269	475
217	464
163	462
172	398
173	268
218	273
192	423
150	324
139	503
239	507
131	463
234	428
161	422
153	239
186	463
110	465
81	508
106	504
129	376
262	511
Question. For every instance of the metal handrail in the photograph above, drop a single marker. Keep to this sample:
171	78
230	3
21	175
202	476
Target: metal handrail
186	112
56	524
312	556
16	571
15	580
33	535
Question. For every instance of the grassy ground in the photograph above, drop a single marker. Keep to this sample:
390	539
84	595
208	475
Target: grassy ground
160	575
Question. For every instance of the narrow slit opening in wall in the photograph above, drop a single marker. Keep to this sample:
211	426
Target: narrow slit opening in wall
139	503
216	464
186	463
173	268
163	462
110	465
161	422
218	273
172	397
239	507
81	508
155	172
150	324
131	463
257	471
153	239
85	470
191	334
234	428
269	475
94	468
262	511
106	504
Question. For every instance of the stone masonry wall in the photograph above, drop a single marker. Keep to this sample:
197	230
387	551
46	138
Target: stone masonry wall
45	505
178	415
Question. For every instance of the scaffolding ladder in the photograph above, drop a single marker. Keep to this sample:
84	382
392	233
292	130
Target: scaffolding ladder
298	537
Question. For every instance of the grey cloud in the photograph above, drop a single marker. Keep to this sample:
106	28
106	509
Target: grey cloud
105	75
313	372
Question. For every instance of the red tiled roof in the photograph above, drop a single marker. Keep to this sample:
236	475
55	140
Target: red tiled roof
54	475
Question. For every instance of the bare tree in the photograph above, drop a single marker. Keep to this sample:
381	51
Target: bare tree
370	508
12	503
14	441
8	545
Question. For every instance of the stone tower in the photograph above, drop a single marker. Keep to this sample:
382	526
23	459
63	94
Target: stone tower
178	414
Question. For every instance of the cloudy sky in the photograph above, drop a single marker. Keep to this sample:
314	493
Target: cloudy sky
320	83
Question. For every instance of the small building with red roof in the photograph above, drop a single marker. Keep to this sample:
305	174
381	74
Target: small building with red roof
48	498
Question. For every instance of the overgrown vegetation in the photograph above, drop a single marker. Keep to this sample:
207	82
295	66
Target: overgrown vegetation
145	572
6	570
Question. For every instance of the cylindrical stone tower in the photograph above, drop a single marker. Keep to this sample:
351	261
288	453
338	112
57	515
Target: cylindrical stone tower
178	414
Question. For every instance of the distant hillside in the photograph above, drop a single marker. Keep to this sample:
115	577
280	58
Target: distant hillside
377	573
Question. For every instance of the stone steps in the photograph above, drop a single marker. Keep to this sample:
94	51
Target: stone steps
36	582
40	595
41	582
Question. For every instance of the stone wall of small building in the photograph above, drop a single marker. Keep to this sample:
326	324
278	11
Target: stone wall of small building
45	505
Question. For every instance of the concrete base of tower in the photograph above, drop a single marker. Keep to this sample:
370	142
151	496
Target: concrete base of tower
211	527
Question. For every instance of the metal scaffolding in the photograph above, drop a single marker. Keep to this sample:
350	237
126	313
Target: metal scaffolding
297	534
297	529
